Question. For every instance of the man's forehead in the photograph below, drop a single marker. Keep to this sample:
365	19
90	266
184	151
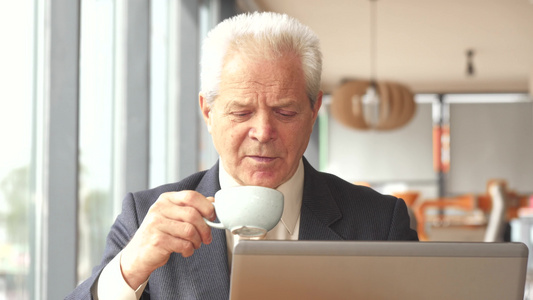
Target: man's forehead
245	82
275	76
236	102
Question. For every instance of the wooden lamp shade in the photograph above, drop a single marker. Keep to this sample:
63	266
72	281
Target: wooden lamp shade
396	107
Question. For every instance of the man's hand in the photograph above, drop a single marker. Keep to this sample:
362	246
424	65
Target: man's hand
174	223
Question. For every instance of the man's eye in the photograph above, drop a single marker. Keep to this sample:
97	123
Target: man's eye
286	113
240	114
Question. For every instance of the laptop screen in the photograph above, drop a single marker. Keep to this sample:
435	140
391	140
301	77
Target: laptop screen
377	270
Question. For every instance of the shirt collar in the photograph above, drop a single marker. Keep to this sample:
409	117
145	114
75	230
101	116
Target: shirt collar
292	191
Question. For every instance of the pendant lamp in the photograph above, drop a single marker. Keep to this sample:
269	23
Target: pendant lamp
373	104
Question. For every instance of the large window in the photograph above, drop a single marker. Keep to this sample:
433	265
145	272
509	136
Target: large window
93	106
17	159
138	115
96	131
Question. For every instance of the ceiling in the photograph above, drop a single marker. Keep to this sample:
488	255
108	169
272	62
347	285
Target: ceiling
422	43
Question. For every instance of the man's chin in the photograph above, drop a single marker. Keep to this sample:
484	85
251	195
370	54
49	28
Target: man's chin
266	180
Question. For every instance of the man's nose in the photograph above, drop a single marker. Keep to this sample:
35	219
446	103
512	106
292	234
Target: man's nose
263	128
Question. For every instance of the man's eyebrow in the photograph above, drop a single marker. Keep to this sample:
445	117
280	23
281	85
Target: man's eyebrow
237	103
240	103
286	103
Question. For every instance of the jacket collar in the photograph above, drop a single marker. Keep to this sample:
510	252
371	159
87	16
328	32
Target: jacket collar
319	209
210	266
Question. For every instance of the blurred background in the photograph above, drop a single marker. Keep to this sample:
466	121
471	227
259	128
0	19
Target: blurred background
99	98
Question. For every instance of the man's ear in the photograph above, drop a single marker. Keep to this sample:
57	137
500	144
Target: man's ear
318	104
206	110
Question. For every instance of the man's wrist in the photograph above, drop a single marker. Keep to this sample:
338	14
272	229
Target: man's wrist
112	285
133	277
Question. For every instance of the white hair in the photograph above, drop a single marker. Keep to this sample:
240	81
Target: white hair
260	34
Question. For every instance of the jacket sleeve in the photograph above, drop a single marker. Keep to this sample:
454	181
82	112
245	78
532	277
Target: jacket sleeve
120	234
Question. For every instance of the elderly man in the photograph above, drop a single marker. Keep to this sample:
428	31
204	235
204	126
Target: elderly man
260	96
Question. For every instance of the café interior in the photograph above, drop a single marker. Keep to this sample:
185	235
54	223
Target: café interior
450	127
429	101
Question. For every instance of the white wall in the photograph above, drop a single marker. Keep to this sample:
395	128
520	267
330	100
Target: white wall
488	140
491	140
403	155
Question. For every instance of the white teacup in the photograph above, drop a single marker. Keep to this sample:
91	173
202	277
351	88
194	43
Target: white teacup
248	210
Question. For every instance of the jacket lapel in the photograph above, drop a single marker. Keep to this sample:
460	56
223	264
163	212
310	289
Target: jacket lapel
319	210
209	266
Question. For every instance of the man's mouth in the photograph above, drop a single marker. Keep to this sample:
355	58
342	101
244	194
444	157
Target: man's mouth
262	159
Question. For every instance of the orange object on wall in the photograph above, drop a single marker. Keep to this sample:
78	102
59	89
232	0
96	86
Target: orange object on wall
437	148
441	148
445	152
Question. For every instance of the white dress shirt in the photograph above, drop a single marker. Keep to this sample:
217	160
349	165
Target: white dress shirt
111	283
289	226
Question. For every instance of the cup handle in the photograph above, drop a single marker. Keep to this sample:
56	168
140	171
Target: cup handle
213	224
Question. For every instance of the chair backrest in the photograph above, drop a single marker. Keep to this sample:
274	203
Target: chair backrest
499	203
496	223
465	202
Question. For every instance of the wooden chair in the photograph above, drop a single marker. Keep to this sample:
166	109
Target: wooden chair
499	204
466	202
497	191
514	200
505	206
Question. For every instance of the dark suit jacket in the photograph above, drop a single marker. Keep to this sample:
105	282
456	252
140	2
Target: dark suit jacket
332	209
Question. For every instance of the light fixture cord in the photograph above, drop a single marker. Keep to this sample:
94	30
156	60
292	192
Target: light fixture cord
373	40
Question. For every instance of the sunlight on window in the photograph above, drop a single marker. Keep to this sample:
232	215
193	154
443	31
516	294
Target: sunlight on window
16	123
96	132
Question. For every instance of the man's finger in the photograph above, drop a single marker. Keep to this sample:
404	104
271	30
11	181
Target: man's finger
192	199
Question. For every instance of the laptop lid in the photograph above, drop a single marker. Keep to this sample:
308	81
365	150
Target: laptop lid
377	270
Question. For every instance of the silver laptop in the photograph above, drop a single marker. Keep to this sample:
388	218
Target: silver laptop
378	270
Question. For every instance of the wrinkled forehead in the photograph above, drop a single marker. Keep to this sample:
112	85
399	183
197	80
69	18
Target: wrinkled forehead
278	81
